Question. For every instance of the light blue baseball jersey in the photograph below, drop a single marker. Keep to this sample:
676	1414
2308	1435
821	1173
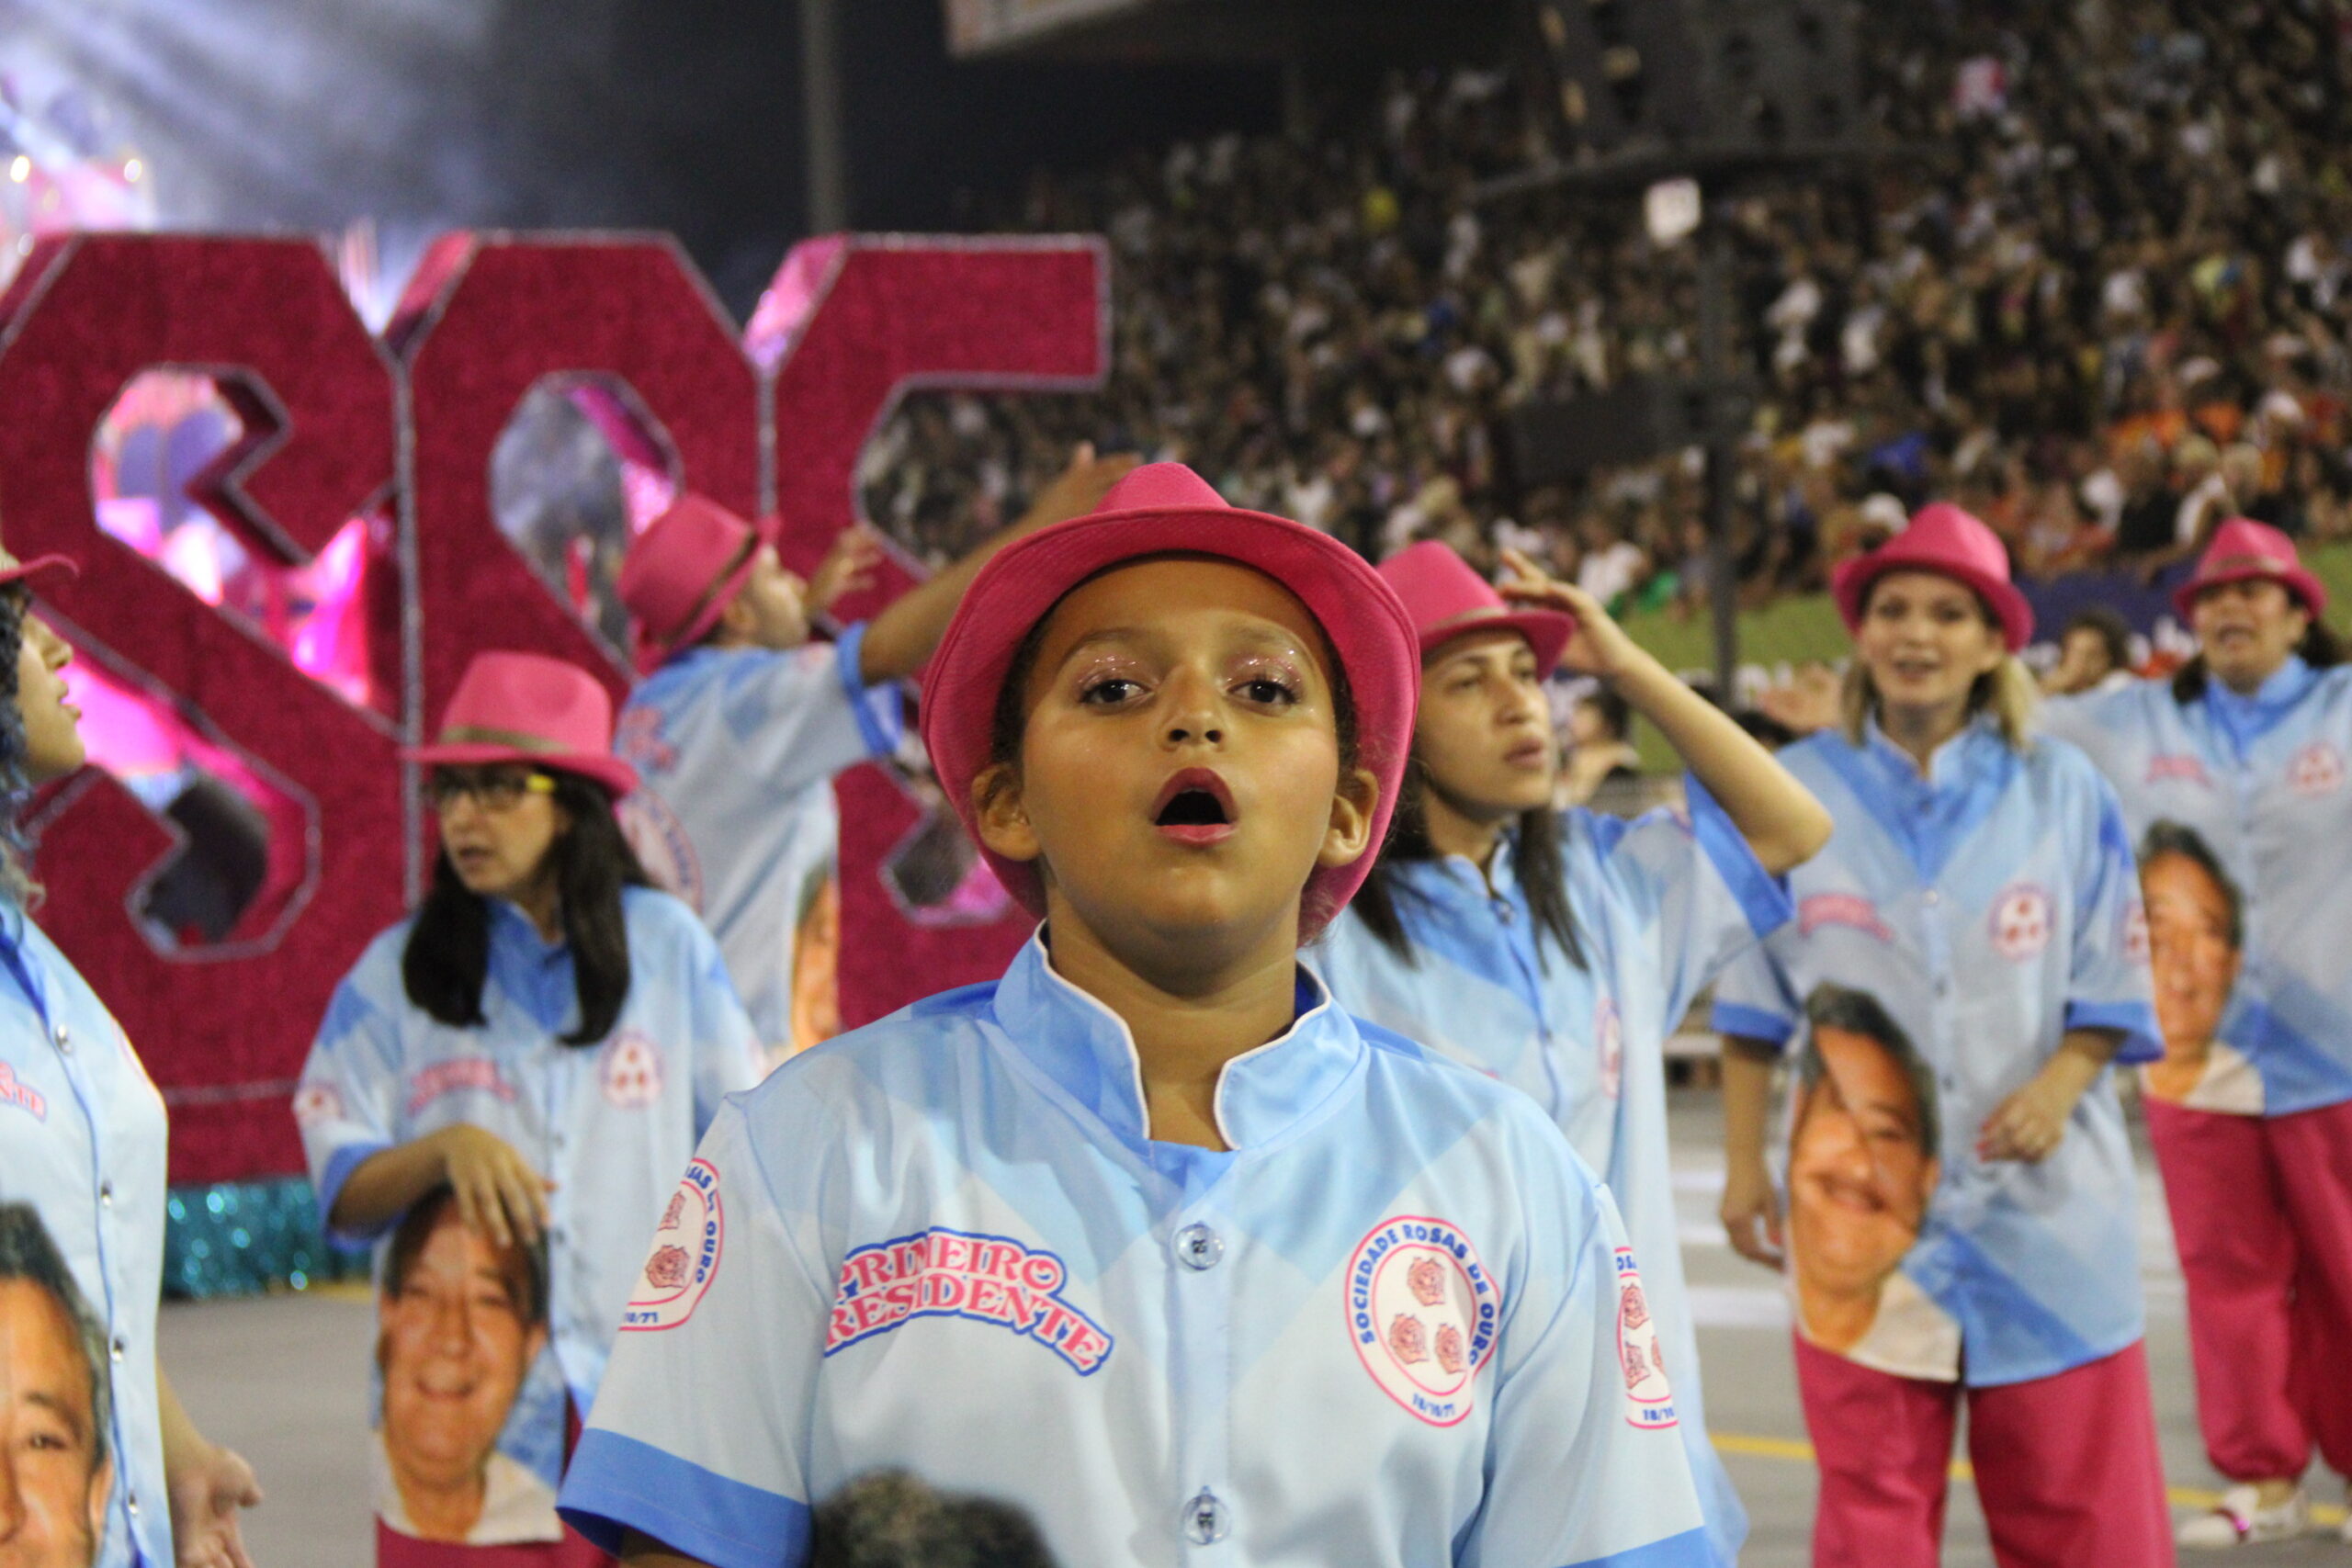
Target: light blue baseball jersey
1989	907
737	749
2263	780
83	1140
1397	1323
1660	905
610	1123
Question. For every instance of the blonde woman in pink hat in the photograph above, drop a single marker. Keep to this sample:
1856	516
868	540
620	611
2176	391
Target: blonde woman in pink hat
1556	951
501	1096
1149	1239
1953	1206
2233	776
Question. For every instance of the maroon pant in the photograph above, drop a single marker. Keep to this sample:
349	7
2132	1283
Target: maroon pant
2262	1211
2066	1466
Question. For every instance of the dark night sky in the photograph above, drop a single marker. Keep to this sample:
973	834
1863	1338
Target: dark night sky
666	114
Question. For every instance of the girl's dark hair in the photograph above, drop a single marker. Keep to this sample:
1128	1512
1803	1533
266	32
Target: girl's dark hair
15	787
447	957
2321	649
1539	854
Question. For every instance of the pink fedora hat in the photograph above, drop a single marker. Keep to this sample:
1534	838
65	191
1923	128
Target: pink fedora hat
527	707
682	572
1446	599
2243	549
1163	509
15	570
1949	542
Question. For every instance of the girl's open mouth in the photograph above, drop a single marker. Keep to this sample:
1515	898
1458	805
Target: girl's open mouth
1195	808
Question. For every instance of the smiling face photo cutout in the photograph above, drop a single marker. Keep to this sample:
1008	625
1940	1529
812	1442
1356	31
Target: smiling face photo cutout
1174	749
1863	1162
461	1321
2195	931
56	1406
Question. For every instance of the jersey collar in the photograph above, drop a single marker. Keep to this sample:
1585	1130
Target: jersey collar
1086	1049
2246	719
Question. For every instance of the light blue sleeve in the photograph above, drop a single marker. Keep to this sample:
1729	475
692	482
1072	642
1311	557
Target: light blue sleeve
1700	885
347	1104
700	1433
802	717
2107	984
1754	997
1573	1481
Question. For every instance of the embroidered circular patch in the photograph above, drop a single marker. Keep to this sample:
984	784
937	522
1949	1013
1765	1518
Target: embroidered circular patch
2316	770
1422	1311
2020	924
684	1256
315	1104
630	1068
1649	1402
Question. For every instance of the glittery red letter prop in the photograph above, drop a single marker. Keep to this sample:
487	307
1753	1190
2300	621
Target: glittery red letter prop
222	1029
852	324
486	316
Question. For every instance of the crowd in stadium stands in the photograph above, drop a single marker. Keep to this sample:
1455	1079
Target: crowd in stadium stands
2114	306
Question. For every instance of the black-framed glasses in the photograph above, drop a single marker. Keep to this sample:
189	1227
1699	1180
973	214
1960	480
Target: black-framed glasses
499	789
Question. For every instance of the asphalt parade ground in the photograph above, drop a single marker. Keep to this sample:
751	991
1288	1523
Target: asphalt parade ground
284	1380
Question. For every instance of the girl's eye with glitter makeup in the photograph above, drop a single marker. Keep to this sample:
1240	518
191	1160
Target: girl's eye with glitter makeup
1271	685
1107	691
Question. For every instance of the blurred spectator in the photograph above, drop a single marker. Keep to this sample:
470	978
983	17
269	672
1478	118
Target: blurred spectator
2112	311
2094	654
1600	749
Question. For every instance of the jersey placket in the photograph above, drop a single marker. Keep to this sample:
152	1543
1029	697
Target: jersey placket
1200	1262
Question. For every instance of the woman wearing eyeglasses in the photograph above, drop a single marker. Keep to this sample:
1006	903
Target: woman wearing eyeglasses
502	1094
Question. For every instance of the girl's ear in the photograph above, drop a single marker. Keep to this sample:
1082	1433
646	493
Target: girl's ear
1349	836
1003	815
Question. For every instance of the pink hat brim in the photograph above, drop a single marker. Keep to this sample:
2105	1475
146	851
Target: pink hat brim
41	566
609	770
2294	580
1850	585
1370	632
1546	631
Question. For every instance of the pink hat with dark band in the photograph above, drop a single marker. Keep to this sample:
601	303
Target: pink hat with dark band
39	566
529	708
1166	509
2243	550
1949	542
682	572
1447	599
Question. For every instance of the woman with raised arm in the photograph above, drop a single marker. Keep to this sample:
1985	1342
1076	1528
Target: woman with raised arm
1556	951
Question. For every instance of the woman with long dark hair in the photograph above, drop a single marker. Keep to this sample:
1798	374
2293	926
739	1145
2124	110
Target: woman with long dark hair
1558	950
103	1467
2233	775
532	1056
